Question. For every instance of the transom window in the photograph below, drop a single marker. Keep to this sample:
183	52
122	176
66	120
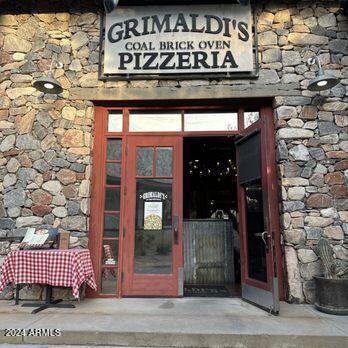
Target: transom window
145	121
154	122
211	121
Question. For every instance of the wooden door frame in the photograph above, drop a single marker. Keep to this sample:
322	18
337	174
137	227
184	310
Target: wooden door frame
98	170
270	199
273	196
96	222
129	219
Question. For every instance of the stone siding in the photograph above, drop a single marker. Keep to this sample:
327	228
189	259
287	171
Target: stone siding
46	140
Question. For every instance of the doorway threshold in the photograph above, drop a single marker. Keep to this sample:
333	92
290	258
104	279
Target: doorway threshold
212	291
206	291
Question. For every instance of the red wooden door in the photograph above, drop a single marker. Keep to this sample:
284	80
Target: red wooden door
152	250
258	214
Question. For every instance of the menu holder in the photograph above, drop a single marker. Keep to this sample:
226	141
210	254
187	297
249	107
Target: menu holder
39	238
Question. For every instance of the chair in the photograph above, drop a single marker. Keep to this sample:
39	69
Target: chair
108	255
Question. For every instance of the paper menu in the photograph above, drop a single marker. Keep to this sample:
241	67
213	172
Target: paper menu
153	215
38	237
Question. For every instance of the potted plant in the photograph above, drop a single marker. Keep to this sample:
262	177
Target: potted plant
332	288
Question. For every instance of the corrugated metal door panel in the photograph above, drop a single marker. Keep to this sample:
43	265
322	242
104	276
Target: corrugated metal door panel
208	252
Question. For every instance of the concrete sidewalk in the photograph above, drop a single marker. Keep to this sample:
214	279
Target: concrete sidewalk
188	322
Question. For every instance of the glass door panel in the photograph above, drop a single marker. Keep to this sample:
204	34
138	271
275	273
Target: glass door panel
153	234
255	227
164	161
145	161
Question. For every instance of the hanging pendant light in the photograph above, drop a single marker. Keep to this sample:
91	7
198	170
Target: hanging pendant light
322	81
243	2
48	84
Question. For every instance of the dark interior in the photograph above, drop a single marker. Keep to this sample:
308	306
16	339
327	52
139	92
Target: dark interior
210	213
209	177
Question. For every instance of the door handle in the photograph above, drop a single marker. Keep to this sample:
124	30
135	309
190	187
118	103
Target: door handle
176	229
265	236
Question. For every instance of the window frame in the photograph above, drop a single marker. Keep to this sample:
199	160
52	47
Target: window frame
101	134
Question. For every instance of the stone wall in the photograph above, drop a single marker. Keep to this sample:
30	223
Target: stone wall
311	133
46	141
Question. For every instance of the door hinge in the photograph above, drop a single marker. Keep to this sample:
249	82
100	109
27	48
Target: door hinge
122	276
124	232
126	149
125	190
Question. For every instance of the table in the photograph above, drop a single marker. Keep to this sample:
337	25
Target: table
53	267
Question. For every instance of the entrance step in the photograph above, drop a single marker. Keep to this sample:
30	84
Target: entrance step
193	322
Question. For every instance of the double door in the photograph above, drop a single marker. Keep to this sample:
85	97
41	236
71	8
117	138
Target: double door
152	248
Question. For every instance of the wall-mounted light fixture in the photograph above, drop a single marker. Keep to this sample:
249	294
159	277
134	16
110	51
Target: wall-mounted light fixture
322	81
48	84
110	5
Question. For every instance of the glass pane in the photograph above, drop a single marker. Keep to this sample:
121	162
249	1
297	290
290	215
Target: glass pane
113	173
111	225
255	227
249	153
115	121
153	221
154	122
109	281
145	161
215	121
112	199
164	161
250	117
114	149
110	252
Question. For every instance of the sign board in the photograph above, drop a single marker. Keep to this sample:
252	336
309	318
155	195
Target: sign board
178	39
153	215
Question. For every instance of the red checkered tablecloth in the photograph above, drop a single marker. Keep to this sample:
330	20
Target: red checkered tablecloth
69	268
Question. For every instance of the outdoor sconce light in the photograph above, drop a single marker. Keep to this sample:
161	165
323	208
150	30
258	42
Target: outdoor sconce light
110	5
48	84
322	81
